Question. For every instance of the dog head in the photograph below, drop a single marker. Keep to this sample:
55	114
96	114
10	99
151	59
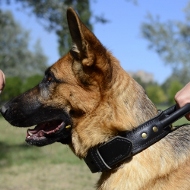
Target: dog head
84	99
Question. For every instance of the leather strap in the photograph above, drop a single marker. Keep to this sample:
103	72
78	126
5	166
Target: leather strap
105	156
120	148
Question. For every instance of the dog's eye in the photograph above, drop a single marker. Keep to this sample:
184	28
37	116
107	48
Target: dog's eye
49	79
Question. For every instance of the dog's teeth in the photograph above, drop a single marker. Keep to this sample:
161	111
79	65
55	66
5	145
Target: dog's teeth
29	133
41	133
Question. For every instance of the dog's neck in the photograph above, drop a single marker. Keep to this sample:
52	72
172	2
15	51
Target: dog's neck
127	144
127	112
131	170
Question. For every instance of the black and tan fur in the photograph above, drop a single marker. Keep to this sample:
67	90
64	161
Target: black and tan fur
89	91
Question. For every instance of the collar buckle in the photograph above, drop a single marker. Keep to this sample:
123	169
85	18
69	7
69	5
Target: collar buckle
108	155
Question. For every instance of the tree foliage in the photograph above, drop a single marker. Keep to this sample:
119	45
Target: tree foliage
171	40
12	88
16	58
172	86
52	15
15	86
156	94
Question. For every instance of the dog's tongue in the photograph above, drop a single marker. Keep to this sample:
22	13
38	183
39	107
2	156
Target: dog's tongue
45	129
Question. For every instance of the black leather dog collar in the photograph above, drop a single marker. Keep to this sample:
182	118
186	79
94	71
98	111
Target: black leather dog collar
120	148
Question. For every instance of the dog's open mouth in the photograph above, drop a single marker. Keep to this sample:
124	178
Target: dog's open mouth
48	132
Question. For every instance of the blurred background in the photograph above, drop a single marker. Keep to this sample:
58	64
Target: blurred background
151	39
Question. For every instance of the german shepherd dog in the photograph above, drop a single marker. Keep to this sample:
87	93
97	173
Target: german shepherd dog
84	100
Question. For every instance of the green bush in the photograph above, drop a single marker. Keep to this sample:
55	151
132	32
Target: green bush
156	94
174	87
15	86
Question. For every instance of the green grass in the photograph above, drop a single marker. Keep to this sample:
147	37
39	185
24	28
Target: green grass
14	149
28	167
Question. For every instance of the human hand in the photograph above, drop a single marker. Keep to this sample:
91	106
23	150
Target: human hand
182	97
2	81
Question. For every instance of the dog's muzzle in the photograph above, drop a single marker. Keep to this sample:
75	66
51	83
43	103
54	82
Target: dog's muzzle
51	124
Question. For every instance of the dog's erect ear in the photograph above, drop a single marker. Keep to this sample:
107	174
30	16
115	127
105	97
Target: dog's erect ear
85	42
75	28
91	59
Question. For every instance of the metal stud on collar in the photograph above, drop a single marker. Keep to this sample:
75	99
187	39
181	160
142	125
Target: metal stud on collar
155	129
144	135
